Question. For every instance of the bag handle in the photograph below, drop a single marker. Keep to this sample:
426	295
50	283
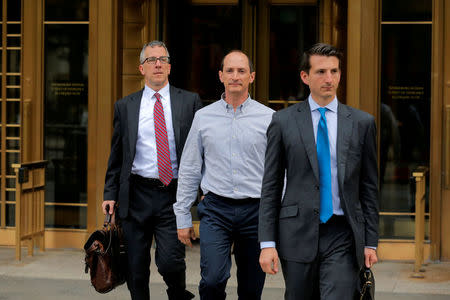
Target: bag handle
109	219
368	281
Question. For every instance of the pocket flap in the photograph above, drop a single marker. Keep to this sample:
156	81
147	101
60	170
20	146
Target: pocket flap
288	211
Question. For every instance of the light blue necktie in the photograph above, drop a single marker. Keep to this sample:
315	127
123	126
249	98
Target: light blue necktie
323	156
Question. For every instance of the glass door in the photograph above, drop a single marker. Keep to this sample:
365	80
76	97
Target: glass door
272	33
206	34
65	113
293	28
405	110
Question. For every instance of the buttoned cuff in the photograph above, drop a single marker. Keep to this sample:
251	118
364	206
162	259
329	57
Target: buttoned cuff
269	244
184	221
370	247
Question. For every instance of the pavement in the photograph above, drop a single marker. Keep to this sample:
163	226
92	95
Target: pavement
59	274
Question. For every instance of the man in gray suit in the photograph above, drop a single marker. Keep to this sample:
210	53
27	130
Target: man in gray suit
150	129
326	226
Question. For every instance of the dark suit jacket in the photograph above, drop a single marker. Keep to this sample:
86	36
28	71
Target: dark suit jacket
184	104
294	223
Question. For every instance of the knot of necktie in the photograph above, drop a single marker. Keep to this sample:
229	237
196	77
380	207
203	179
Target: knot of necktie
322	111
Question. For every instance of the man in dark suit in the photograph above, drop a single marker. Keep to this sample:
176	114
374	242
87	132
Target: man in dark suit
150	129
326	226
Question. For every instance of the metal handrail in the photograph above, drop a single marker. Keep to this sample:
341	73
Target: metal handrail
30	224
420	176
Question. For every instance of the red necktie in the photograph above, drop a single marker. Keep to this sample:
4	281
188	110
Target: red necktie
162	143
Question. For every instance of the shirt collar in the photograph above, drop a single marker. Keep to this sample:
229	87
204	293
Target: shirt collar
333	105
241	107
164	92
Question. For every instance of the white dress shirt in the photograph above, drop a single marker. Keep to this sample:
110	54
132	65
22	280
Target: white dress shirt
145	161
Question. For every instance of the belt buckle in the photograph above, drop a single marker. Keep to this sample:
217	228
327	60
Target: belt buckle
157	183
161	185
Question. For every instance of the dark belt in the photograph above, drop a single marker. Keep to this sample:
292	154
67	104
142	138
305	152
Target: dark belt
336	219
154	183
235	201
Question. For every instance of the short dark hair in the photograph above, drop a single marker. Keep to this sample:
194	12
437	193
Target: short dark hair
250	64
321	49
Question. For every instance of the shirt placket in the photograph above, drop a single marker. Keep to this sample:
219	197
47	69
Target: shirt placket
234	151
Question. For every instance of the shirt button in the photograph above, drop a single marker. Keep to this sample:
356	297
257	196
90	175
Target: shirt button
316	211
235	189
317	187
234	154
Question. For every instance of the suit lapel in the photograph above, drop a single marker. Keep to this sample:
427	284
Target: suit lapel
305	126
133	107
176	105
345	127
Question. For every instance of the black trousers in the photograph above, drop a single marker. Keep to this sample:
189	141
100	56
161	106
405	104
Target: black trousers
151	216
333	274
225	221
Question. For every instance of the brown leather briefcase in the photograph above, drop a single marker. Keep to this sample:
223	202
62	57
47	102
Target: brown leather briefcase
106	256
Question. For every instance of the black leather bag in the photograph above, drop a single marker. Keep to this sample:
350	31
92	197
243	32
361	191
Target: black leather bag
366	286
106	256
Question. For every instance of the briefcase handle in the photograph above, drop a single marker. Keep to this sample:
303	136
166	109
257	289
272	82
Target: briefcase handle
109	219
368	282
107	226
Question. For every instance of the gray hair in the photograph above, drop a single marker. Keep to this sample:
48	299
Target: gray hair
151	44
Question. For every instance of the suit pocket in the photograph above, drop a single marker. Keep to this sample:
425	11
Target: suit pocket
200	209
201	206
288	211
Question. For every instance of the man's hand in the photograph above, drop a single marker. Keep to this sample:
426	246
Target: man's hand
268	259
370	257
185	235
111	206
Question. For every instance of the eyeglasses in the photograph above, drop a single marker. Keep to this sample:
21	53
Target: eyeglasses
153	59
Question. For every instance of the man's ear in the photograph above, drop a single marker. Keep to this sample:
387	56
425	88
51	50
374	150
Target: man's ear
141	69
305	77
252	76
220	76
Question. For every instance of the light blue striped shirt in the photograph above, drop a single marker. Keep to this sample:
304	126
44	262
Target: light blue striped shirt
224	153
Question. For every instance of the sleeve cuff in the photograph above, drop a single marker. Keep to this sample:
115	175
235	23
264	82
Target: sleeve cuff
269	244
184	221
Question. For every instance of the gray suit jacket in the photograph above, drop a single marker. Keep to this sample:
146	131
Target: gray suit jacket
183	104
294	222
